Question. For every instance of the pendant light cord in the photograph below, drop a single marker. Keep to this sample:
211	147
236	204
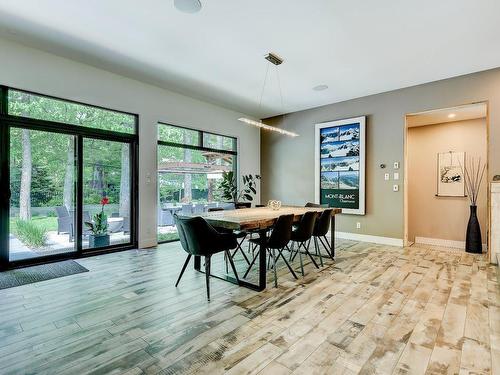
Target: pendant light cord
263	86
281	92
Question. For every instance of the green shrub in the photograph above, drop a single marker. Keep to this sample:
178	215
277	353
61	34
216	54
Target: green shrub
31	234
162	237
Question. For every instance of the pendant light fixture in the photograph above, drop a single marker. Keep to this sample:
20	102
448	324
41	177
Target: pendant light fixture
275	60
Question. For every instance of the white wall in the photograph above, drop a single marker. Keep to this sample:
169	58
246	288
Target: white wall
31	69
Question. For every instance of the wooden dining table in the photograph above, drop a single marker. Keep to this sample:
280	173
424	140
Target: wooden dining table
259	220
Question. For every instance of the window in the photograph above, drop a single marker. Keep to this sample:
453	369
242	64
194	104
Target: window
69	168
25	104
189	172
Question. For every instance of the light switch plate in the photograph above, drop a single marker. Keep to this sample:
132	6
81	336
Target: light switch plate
395	187
396	165
396	175
386	176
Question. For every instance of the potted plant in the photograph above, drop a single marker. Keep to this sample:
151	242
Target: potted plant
230	191
99	227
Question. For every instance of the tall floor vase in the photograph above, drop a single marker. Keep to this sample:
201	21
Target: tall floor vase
473	241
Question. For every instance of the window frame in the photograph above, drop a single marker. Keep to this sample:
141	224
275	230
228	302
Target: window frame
80	133
199	147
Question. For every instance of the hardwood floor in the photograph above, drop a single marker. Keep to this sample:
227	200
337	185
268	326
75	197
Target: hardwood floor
375	310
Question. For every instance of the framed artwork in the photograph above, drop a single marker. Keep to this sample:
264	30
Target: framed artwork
340	164
450	178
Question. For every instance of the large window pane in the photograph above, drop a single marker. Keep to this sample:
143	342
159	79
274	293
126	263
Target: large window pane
25	104
42	183
175	134
219	142
188	182
106	189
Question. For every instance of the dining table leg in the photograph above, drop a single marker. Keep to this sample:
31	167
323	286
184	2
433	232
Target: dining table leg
262	259
332	236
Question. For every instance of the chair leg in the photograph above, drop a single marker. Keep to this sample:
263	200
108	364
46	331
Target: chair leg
280	253
306	248
207	275
233	267
301	263
291	252
183	269
318	250
327	246
275	271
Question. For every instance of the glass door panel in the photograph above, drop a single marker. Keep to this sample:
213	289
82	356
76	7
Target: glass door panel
106	193
42	203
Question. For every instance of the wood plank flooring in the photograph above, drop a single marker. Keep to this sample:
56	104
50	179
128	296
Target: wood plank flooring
375	310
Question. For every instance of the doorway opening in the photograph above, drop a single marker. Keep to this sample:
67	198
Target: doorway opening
438	145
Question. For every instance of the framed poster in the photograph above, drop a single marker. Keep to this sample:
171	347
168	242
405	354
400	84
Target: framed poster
450	178
340	164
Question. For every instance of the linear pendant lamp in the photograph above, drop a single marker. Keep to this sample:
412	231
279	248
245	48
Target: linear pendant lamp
261	125
275	60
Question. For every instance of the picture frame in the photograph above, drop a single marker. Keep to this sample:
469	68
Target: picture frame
340	164
449	176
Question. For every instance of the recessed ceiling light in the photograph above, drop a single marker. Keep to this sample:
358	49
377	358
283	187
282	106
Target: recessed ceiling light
188	6
320	87
452	115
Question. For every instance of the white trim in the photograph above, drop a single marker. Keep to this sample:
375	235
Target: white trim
362	160
443	243
369	238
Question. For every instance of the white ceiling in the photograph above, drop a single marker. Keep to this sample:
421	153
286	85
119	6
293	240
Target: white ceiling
356	47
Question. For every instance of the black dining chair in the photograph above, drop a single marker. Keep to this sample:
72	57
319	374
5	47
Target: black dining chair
310	204
199	238
320	231
302	237
276	242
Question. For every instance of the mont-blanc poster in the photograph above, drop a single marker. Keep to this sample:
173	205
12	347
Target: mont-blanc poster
340	164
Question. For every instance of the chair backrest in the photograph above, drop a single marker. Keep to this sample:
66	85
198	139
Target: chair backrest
323	223
195	234
187	209
214	209
62	211
282	232
241	205
306	226
310	204
260	205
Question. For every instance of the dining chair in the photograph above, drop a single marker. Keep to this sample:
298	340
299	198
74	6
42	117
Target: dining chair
310	204
320	231
277	242
302	237
199	238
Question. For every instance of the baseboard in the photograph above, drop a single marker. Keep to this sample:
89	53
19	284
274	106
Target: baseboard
444	243
369	238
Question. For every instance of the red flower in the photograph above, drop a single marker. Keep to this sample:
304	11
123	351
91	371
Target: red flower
104	201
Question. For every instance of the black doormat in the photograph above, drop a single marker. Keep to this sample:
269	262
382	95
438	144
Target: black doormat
34	274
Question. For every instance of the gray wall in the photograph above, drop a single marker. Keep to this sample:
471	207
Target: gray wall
287	166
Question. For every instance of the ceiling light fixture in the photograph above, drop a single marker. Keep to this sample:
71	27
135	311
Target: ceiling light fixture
188	6
452	115
274	59
261	125
320	87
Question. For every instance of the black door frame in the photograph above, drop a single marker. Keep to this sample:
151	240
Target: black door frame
80	133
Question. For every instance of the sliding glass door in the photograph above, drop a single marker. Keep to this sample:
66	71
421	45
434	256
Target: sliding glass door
42	185
68	175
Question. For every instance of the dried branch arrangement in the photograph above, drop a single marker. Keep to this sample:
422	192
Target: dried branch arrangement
473	177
